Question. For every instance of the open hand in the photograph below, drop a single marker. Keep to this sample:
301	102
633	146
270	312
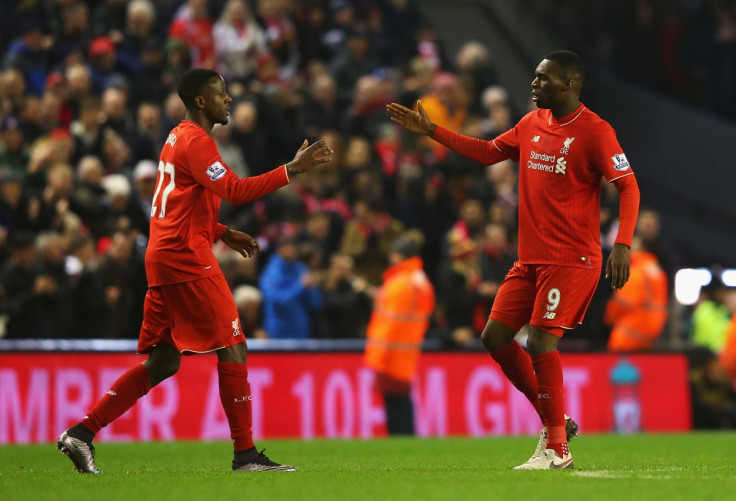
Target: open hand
243	243
414	121
309	157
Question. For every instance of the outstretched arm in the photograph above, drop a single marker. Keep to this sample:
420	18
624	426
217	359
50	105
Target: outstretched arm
215	176
483	152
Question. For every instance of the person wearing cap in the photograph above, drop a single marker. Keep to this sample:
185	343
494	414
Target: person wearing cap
402	309
108	62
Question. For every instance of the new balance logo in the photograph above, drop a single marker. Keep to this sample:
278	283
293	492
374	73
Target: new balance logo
111	393
550	315
535	139
561	165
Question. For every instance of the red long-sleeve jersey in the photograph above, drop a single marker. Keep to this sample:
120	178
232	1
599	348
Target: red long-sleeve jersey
191	183
561	165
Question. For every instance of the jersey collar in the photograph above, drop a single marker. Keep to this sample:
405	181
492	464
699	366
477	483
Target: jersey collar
562	121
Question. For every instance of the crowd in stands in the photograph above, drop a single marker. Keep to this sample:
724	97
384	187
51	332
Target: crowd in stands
88	95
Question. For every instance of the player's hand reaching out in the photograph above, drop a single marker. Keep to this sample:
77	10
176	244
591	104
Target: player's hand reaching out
243	243
617	266
308	157
414	121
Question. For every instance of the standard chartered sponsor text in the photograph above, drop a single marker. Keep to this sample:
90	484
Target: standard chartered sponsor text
539	166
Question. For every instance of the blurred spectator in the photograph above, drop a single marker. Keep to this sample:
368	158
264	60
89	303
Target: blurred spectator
140	21
147	137
249	302
251	138
152	82
714	397
144	178
110	19
87	129
447	105
464	295
126	211
638	312
14	207
368	111
110	64
239	41
712	315
124	279
348	65
497	255
290	293
476	72
28	54
398	32
88	199
368	237
498	117
401	313
280	34
72	34
13	153
79	86
193	26
59	311
320	109
32	297
347	300
89	308
118	116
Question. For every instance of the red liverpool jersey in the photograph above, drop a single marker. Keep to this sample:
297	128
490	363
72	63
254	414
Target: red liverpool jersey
561	164
192	181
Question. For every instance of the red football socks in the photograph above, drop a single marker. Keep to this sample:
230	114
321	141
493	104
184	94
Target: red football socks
236	400
123	394
516	364
548	368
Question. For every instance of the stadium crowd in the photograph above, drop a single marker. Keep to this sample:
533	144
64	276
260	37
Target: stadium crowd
88	95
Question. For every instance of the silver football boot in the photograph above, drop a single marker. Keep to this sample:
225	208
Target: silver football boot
81	453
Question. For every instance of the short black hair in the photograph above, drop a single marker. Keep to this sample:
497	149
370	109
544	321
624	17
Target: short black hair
569	62
192	83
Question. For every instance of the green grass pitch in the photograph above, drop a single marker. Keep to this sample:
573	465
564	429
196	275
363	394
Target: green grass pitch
697	466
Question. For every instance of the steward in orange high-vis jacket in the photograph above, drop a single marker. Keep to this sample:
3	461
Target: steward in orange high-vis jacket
637	313
401	313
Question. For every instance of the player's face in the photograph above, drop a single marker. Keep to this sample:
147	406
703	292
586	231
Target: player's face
218	101
547	85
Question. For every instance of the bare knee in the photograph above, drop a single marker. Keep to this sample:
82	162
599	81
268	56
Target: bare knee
163	363
540	342
236	353
496	335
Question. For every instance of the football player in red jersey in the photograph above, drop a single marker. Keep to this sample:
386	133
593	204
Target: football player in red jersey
189	307
563	150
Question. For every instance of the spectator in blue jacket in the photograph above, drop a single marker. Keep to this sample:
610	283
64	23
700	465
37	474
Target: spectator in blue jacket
290	293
